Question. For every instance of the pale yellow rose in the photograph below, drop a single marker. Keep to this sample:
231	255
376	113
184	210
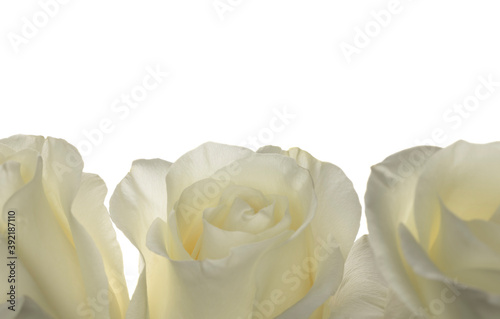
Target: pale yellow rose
67	261
434	221
225	232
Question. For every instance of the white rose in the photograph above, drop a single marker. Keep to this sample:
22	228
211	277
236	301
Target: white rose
434	221
225	232
67	262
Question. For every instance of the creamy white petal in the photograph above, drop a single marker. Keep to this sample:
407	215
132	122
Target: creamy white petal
92	222
139	307
441	294
465	178
496	216
46	251
62	173
488	232
210	282
339	210
200	163
27	159
481	267
216	243
139	199
389	201
327	279
364	292
21	142
11	181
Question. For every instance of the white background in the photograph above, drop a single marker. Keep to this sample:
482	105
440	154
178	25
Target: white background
232	68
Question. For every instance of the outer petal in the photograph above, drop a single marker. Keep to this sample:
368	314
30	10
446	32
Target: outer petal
464	177
62	174
481	268
21	142
389	201
487	232
11	181
222	288
139	305
444	296
364	294
326	281
91	223
139	199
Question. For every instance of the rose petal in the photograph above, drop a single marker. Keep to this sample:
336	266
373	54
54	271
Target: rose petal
481	268
443	295
139	199
364	292
216	242
389	202
487	232
198	164
21	142
43	239
91	221
216	285
465	177
139	305
339	210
